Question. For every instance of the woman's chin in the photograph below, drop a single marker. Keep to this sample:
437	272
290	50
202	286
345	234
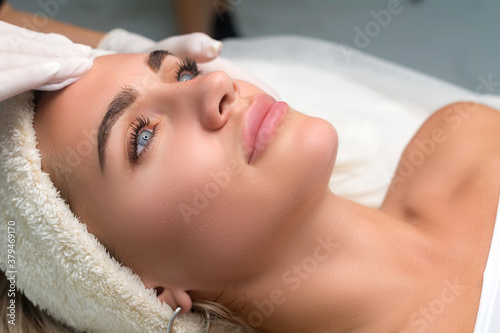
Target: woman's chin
317	144
304	153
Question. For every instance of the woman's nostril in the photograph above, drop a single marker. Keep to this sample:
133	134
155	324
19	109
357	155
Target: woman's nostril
221	103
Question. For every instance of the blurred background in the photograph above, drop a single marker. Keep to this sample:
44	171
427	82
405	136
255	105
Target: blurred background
455	40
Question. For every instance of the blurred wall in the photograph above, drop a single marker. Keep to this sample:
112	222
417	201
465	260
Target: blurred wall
455	40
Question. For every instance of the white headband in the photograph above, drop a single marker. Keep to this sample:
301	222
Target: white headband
57	264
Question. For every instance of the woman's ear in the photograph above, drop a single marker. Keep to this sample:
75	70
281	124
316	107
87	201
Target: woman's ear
183	300
174	297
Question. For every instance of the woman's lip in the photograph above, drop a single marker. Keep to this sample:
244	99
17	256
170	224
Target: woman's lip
261	121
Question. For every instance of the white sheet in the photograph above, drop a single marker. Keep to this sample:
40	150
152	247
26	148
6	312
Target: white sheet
488	318
376	106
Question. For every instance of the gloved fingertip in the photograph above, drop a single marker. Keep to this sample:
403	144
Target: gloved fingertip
48	69
214	49
87	63
78	67
101	52
82	50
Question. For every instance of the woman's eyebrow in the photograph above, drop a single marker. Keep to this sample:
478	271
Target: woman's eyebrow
155	59
120	103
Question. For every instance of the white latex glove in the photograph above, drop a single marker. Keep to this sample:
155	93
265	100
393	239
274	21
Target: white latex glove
197	45
203	49
33	60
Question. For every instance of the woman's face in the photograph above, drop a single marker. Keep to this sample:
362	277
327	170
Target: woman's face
167	184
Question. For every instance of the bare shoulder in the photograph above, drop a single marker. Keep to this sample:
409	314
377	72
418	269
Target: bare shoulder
451	162
448	185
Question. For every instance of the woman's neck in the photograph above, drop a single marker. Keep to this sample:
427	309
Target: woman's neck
346	268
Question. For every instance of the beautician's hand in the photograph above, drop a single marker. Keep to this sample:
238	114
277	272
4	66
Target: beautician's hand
33	60
196	45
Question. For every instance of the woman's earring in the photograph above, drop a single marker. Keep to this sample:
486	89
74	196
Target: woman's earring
176	312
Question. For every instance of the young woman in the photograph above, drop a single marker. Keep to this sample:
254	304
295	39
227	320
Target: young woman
210	190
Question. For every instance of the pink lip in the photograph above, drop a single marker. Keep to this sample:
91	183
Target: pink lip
261	122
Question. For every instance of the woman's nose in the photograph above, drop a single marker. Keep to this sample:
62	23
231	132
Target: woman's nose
213	96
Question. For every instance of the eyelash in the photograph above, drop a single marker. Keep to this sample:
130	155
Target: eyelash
187	65
137	126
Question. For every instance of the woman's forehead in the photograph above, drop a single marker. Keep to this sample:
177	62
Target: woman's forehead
84	103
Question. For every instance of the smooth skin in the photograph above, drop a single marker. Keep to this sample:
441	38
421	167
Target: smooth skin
273	243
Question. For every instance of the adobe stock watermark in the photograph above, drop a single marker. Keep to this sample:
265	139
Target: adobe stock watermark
71	157
424	149
421	319
292	279
49	9
38	20
453	117
11	272
219	180
381	19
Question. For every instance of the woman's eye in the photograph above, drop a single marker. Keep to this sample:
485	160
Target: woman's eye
187	70
143	139
185	77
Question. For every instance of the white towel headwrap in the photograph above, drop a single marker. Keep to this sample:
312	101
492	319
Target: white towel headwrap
58	265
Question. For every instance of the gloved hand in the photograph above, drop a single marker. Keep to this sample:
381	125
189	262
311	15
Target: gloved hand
33	60
196	45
